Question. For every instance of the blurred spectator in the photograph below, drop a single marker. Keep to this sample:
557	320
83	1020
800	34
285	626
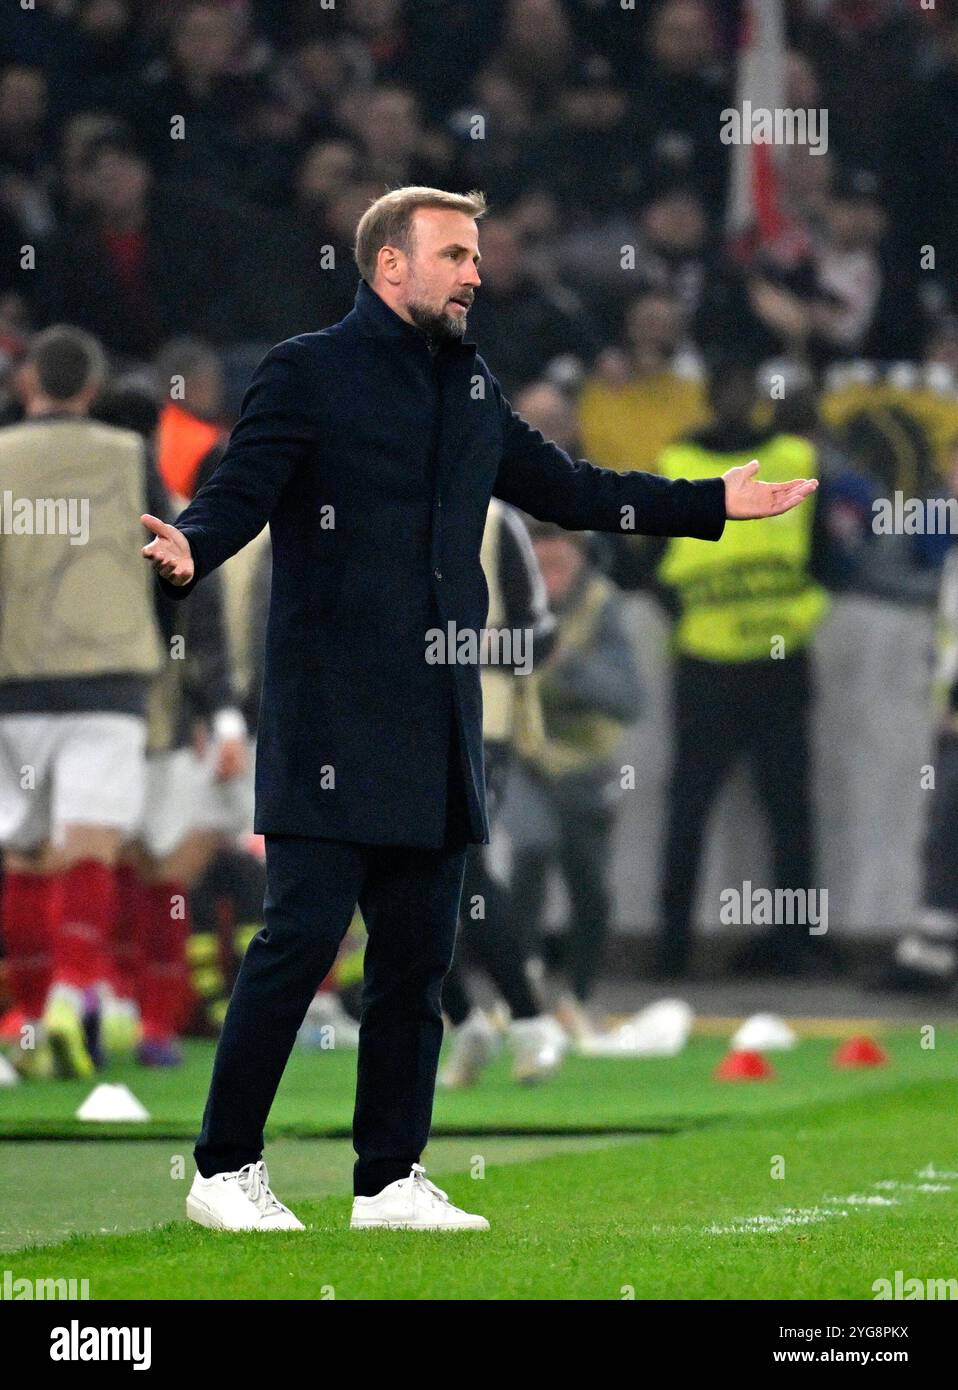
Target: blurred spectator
562	805
549	409
326	231
437	79
536	45
79	134
501	151
554	322
866	52
843	542
920	154
487	935
324	169
398	148
679	101
23	121
862	308
587	152
665	246
827	287
646	393
104	58
190	439
312	79
26	214
382	33
140	262
199	81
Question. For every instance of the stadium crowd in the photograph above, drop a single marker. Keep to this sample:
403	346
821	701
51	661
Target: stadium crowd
182	183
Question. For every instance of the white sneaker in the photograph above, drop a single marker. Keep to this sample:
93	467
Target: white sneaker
327	1025
538	1047
240	1201
474	1044
413	1204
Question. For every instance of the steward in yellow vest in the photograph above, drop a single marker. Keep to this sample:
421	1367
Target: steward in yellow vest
743	680
737	598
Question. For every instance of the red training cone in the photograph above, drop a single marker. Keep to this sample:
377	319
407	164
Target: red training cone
860	1052
743	1066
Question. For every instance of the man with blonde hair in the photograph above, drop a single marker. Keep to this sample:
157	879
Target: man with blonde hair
372	449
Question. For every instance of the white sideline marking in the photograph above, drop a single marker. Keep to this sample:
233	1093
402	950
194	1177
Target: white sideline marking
891	1185
832	1207
787	1216
861	1199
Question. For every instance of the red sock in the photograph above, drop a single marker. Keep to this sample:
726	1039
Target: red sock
25	924
163	926
84	924
124	945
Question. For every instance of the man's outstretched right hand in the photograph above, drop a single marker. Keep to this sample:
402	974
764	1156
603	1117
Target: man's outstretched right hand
169	553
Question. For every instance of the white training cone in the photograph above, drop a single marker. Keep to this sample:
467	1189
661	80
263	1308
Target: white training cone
8	1075
661	1030
107	1102
763	1033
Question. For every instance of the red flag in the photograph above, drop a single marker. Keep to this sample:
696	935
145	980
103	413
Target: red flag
754	205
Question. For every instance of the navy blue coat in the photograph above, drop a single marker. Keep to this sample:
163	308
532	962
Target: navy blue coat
373	462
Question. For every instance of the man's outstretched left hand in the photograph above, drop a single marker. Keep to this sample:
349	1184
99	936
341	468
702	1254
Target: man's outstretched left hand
746	499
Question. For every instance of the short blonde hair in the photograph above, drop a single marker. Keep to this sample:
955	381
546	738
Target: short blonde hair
388	221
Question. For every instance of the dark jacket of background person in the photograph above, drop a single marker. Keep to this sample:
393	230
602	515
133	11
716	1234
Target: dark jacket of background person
205	270
403	450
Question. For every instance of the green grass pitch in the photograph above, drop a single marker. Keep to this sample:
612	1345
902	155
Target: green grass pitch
620	1179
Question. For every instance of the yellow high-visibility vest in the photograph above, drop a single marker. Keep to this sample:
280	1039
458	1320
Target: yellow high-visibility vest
740	594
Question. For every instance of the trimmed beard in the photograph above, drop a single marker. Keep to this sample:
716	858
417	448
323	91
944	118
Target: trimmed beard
441	327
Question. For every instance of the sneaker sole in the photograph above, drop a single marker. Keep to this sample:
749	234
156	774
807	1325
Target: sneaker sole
409	1226
202	1215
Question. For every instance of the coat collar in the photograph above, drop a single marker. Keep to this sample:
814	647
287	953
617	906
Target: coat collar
376	317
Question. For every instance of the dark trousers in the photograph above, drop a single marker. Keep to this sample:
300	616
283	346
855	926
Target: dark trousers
940	850
491	942
758	711
409	899
583	857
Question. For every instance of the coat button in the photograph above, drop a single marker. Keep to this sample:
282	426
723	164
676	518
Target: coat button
438	573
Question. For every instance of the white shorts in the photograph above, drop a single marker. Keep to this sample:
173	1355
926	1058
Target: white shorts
182	796
68	769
